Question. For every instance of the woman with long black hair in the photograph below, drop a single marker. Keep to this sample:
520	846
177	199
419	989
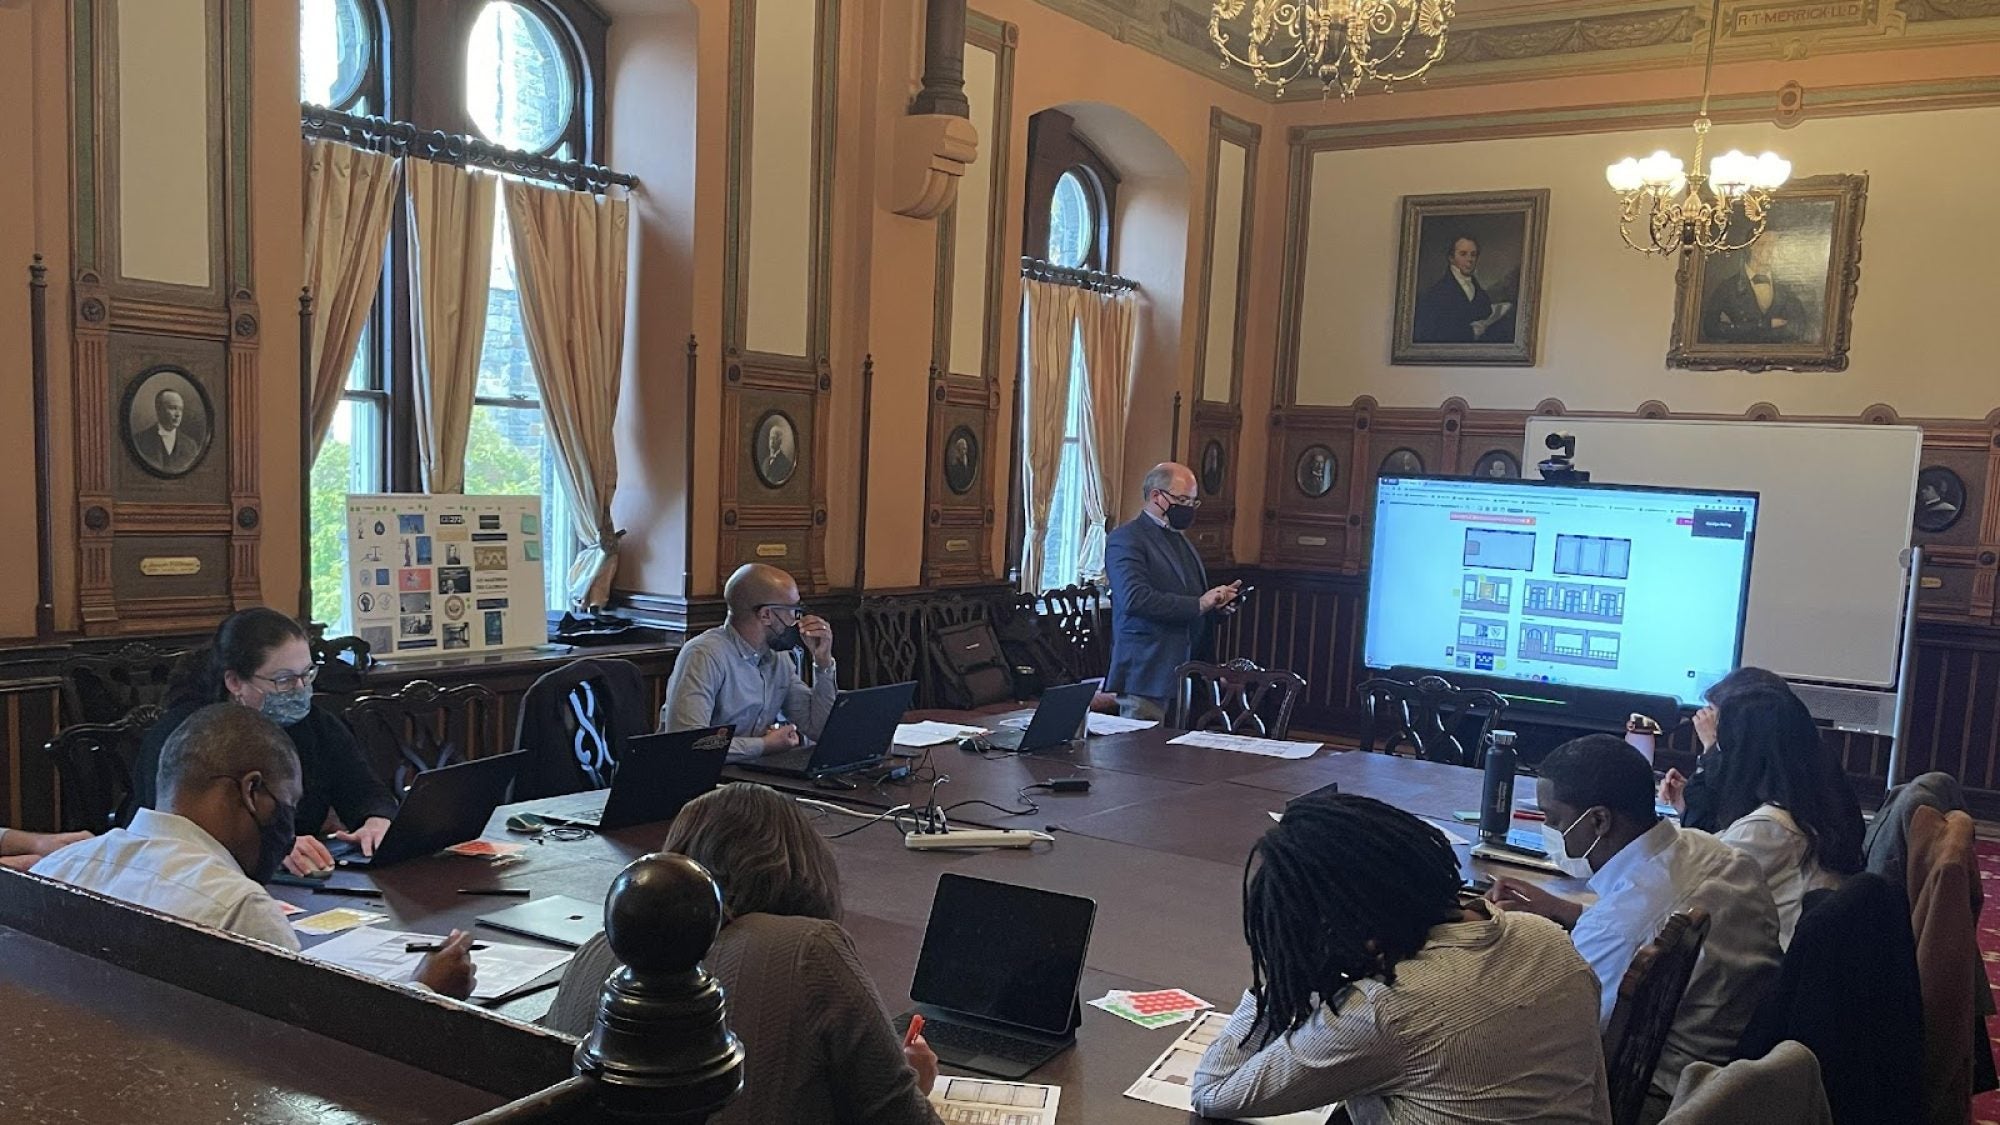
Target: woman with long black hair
1775	803
259	658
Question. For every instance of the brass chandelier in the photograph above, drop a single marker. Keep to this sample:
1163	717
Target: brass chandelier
1342	42
1723	209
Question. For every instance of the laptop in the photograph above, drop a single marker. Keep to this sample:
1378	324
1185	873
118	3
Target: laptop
557	918
1058	717
998	973
444	806
656	775
856	736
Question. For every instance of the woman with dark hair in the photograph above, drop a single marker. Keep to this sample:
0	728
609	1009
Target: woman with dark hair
1695	796
260	659
1775	804
1375	983
817	1045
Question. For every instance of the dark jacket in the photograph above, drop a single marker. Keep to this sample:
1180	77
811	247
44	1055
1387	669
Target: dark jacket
1730	314
1157	623
1445	315
576	721
334	775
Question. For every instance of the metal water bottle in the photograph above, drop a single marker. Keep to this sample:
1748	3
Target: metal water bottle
1496	803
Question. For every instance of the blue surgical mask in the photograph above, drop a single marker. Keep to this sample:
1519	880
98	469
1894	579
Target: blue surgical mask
286	707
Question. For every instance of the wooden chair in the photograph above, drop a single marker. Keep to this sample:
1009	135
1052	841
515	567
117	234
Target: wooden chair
94	763
1428	717
890	640
1077	614
422	727
1234	698
104	687
1649	995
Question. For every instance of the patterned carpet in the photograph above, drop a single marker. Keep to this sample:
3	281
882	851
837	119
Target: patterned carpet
1986	1107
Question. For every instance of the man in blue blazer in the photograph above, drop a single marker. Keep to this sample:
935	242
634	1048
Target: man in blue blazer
1160	597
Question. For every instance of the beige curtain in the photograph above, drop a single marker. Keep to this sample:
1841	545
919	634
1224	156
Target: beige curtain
570	255
451	236
1107	325
1048	322
350	201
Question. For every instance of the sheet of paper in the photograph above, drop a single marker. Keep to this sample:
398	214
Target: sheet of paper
983	1101
502	968
1116	724
1248	744
1135	1008
334	921
928	733
1168	1080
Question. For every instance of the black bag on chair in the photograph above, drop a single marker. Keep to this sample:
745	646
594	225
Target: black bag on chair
972	669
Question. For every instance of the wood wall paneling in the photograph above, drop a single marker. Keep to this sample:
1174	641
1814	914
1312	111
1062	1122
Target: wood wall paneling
1215	423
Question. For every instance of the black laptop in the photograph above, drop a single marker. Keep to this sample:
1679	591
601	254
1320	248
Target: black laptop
856	736
656	775
1058	717
444	806
998	973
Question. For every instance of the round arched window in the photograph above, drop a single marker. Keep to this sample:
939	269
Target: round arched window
335	43
1072	222
519	88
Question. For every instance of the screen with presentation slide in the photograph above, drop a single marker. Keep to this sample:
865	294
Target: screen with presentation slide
1598	586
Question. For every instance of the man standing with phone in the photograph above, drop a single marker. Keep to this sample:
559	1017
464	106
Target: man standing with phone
1160	597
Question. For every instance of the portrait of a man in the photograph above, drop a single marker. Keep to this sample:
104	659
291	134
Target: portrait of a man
1315	471
1211	468
961	460
1469	278
168	422
1755	302
775	449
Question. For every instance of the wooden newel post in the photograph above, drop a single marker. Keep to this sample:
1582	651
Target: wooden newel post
661	1049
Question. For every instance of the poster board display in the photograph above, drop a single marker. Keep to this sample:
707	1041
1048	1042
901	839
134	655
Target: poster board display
436	575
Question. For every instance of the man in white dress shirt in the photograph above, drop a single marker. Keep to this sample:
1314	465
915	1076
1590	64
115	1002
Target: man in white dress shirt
1597	795
229	781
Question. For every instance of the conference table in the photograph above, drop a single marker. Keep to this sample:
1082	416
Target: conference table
1158	842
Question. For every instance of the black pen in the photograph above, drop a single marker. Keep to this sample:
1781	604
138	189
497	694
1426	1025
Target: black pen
433	946
351	892
500	892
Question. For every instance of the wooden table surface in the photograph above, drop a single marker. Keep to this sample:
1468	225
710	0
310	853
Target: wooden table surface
1159	842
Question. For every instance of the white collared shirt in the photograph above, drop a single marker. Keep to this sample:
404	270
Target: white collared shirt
167	438
169	864
1765	290
1769	835
1466	282
1668	869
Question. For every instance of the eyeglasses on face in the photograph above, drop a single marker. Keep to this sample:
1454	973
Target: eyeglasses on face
289	681
796	609
1179	500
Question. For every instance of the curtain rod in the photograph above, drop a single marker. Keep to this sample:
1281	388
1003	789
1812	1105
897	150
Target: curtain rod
1092	280
379	134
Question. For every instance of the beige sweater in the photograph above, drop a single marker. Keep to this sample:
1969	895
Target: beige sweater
817	1045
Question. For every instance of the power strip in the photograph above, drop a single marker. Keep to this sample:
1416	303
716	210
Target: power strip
975	838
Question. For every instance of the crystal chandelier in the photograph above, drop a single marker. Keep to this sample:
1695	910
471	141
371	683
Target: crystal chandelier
1343	42
1725	209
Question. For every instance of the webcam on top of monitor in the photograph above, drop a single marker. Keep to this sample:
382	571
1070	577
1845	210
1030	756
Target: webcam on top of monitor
1561	465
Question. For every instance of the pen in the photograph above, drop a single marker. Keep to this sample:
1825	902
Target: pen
352	892
916	1029
433	946
500	892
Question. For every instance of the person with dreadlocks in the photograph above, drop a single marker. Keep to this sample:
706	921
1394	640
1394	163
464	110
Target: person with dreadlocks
1374	983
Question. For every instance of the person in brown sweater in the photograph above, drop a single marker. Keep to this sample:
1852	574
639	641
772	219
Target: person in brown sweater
818	1046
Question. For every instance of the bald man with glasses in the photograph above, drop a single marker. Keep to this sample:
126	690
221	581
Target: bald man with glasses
742	672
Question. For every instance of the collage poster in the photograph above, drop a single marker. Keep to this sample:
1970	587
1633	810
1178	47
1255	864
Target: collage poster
434	575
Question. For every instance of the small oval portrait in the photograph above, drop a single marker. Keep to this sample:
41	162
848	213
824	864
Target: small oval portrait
1497	464
168	421
366	602
1316	471
1212	474
1940	499
961	460
1404	462
774	448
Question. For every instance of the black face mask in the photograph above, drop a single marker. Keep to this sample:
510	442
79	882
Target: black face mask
274	839
1180	516
787	639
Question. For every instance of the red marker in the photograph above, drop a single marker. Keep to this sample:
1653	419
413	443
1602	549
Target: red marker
916	1029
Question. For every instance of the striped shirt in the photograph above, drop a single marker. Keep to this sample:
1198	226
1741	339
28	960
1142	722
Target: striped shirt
1491	1021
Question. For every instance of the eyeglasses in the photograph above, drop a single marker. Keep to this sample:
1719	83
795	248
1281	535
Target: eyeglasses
289	681
1180	501
797	609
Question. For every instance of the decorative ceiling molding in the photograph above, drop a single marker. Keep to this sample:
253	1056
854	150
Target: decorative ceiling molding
1492	43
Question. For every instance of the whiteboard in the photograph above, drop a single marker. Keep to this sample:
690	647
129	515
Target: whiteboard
1826	578
438	575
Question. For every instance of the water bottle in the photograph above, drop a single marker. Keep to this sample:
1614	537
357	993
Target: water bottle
1496	804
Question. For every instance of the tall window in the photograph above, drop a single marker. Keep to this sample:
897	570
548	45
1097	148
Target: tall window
517	73
1070	552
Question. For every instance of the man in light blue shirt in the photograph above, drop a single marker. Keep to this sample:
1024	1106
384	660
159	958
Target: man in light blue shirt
742	672
1597	795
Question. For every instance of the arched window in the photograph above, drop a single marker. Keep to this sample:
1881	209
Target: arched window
1073	221
339	55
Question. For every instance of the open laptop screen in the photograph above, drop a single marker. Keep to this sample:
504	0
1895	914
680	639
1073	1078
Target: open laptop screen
1004	952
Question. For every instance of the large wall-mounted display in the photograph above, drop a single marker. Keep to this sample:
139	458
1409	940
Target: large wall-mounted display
432	575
